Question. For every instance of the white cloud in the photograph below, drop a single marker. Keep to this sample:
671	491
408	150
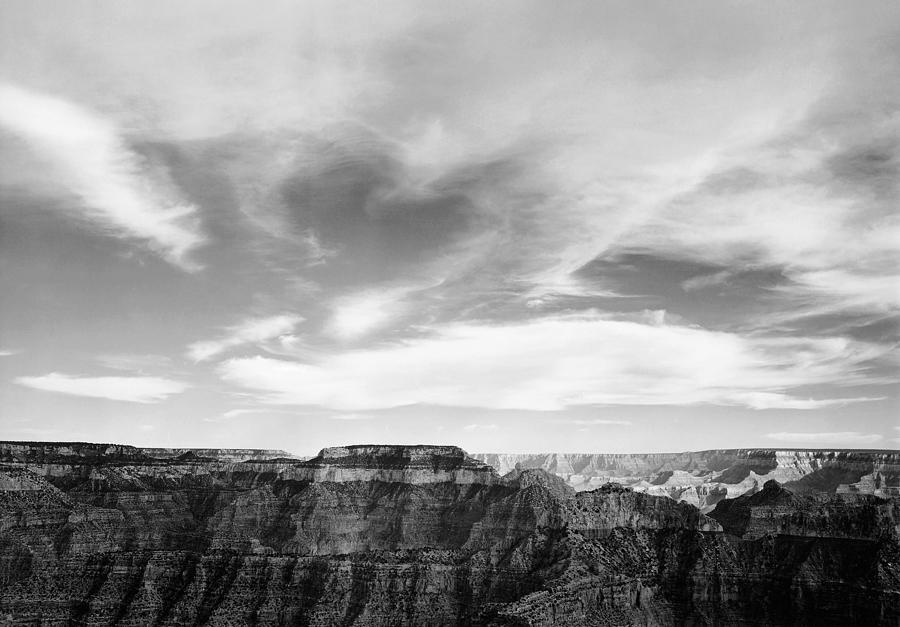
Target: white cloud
90	157
597	421
561	362
771	400
8	353
707	280
135	362
359	314
132	389
234	413
252	331
848	290
785	209
356	315
478	427
838	438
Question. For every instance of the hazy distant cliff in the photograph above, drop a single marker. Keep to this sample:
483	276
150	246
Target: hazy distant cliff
704	478
417	535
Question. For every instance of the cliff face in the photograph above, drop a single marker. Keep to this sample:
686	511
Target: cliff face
219	454
392	535
775	510
39	452
706	477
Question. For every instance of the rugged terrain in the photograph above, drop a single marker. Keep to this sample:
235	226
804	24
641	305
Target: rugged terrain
704	478
417	535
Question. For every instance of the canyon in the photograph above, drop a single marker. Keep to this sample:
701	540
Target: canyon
703	478
105	534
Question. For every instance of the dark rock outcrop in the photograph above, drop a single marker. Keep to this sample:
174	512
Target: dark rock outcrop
775	510
416	535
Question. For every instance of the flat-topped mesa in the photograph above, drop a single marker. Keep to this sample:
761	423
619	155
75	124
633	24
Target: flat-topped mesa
219	454
68	452
415	464
412	455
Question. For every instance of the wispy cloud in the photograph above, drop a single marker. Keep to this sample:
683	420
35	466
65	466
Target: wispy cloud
235	413
352	417
252	331
356	315
837	438
134	362
7	353
132	389
249	411
814	197
448	190
772	400
597	421
362	313
479	427
560	362
231	414
706	280
117	189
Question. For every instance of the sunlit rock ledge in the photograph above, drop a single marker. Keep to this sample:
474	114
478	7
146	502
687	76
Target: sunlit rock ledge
126	465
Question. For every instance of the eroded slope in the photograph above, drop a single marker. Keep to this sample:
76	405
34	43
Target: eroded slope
392	535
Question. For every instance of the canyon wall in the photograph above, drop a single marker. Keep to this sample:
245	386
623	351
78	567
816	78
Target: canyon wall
398	535
704	478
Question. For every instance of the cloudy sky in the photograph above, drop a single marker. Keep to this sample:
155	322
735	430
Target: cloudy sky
512	226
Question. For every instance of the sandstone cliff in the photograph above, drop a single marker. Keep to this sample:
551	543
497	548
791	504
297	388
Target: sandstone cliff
397	535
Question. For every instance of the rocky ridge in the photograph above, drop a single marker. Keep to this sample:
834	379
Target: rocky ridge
704	478
424	535
220	454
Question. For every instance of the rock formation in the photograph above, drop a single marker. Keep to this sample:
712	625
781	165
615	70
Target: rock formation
220	454
417	535
706	477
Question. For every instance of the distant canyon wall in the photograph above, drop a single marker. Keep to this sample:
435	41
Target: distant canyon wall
704	478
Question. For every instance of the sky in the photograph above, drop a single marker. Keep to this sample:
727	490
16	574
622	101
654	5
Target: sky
511	226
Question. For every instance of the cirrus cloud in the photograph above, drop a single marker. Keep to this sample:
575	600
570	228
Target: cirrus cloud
564	361
836	438
250	331
92	159
131	389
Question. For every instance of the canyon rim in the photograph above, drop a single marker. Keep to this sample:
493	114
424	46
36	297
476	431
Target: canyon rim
427	535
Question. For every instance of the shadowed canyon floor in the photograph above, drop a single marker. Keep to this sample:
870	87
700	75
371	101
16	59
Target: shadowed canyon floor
95	534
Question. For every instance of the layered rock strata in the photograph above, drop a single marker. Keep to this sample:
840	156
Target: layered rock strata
704	478
396	535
